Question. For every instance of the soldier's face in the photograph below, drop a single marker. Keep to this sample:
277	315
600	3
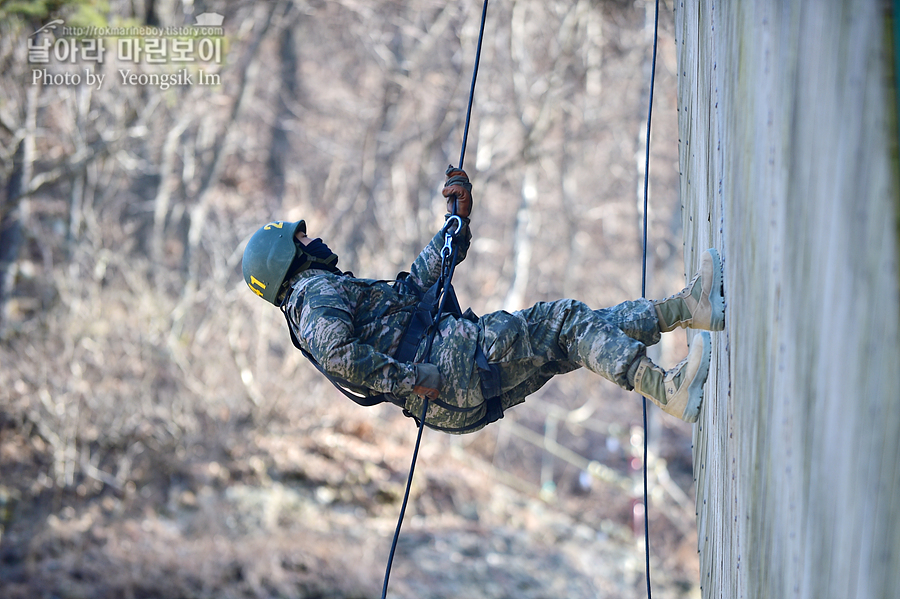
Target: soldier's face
301	237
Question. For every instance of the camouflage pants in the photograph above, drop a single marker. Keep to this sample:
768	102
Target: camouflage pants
530	347
570	335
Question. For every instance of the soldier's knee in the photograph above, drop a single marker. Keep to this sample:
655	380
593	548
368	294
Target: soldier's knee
572	310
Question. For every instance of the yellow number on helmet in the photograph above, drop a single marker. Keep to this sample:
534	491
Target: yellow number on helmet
277	224
255	281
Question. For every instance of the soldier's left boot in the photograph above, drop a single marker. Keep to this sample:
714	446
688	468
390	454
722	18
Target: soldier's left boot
700	305
678	391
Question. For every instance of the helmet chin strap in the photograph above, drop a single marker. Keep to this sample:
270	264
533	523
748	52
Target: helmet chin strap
318	250
320	258
316	255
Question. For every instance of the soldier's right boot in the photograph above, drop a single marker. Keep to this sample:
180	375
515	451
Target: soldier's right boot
678	391
700	305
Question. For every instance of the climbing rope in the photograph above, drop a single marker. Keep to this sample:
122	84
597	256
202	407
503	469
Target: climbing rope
462	152
644	286
448	266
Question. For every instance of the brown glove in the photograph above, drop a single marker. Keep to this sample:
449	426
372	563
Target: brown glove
458	192
428	380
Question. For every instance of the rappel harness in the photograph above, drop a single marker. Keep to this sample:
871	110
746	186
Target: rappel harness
424	320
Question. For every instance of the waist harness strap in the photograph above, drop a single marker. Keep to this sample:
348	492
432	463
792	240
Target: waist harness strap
418	325
490	391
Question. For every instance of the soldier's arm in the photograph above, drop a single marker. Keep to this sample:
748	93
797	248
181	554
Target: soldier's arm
426	269
326	327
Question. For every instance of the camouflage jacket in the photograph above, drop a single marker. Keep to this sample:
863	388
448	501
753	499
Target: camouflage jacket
352	327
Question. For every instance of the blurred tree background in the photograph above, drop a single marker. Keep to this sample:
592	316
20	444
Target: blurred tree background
159	436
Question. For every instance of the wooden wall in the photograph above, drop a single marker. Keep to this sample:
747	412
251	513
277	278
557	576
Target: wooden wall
788	163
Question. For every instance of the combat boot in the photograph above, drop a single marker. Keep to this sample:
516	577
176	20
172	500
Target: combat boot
678	391
700	305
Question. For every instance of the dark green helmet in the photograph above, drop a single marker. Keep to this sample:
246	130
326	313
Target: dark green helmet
268	259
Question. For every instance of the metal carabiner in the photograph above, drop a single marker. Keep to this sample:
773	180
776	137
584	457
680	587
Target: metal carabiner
447	250
453	219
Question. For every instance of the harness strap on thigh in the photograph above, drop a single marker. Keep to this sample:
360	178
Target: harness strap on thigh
490	375
490	386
